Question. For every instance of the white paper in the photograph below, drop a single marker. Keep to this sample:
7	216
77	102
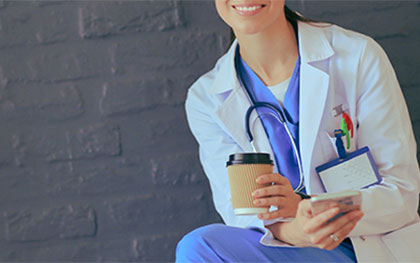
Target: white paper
352	174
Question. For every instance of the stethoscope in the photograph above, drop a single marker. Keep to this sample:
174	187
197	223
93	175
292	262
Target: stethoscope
280	117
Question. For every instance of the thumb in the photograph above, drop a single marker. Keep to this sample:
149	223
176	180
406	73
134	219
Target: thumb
305	208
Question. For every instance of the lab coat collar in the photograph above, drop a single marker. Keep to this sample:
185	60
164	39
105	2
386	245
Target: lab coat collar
223	83
313	46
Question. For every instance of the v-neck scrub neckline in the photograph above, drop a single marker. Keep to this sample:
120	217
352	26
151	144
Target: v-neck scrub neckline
279	90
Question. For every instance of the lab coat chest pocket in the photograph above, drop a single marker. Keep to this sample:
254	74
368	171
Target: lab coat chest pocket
328	139
404	243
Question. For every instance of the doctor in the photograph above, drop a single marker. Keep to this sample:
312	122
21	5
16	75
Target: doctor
309	69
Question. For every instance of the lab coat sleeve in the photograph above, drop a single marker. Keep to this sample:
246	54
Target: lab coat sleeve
215	146
384	125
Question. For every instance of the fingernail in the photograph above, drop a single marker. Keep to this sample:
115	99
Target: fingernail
359	214
263	216
256	202
259	180
334	210
254	193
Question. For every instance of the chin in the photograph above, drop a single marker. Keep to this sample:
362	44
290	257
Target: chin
247	30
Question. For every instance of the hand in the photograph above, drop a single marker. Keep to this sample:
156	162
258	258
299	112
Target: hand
307	230
279	194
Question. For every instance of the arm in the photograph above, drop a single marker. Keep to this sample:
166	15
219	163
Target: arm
215	146
307	230
384	125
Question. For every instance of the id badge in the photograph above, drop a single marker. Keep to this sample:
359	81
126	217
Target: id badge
357	170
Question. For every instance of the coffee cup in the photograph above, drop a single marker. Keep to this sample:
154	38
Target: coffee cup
243	170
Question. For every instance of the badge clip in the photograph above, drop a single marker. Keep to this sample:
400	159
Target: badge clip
339	143
338	110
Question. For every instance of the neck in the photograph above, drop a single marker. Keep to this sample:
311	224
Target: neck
272	53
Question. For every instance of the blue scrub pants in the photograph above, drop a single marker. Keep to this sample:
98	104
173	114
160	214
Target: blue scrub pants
221	243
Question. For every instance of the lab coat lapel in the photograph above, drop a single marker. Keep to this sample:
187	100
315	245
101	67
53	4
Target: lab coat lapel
232	114
234	106
315	51
313	93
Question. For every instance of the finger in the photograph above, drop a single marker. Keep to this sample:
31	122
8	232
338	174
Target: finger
343	233
341	227
318	221
304	208
272	178
271	215
278	190
269	201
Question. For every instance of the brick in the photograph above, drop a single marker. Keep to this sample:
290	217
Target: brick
162	130
22	24
42	3
3	4
374	18
97	140
6	153
327	9
100	19
412	98
96	178
47	65
402	54
105	250
136	96
192	13
176	169
150	249
53	250
88	250
380	25
41	102
16	181
154	54
59	222
94	141
111	250
3	83
48	146
146	213
416	128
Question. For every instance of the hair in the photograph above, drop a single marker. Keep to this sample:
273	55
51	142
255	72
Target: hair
291	16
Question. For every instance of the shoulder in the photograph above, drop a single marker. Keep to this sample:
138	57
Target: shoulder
204	89
349	51
346	42
366	54
199	94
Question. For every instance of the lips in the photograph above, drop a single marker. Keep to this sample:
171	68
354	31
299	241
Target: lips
248	9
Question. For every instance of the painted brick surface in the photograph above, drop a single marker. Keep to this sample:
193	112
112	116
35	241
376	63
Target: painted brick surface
62	222
49	102
97	163
117	17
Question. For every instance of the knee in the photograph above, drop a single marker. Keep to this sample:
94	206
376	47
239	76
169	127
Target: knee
195	238
196	242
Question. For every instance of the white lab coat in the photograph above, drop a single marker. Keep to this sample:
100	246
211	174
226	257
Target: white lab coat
338	66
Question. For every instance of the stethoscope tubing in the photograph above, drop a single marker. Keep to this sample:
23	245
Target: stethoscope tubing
281	119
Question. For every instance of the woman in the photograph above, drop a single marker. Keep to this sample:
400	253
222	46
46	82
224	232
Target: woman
310	69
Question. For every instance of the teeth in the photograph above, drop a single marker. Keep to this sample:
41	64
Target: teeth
247	9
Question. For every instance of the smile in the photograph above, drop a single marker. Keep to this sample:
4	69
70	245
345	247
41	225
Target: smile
248	9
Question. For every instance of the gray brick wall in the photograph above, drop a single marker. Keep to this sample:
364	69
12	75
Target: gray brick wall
96	159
